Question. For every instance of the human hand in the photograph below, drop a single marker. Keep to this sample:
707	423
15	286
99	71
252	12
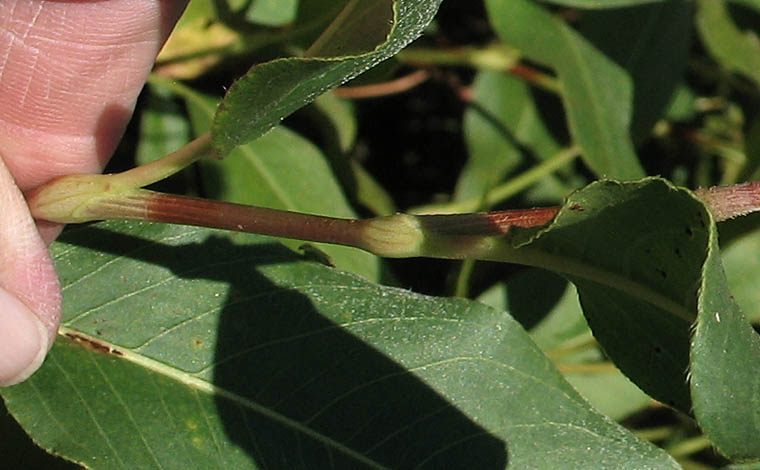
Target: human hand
70	72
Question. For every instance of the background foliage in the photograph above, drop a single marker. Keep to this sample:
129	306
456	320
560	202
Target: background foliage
185	347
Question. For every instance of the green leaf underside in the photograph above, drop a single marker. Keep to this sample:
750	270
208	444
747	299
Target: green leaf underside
596	92
725	367
635	253
269	92
219	350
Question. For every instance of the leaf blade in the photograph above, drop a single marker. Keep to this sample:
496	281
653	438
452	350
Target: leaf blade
246	112
596	92
441	370
726	403
635	252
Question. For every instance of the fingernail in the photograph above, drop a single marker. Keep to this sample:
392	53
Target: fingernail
23	340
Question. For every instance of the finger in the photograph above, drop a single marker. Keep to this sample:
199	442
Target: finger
70	75
29	293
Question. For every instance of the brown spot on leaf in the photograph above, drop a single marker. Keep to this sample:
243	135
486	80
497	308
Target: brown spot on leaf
93	345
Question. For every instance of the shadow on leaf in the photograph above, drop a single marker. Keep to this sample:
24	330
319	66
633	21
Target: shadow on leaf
299	390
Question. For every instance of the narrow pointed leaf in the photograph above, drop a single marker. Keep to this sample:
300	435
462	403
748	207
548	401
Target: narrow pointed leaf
596	92
187	347
269	92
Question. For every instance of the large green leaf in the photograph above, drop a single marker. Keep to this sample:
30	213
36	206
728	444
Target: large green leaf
596	92
651	42
270	91
635	251
644	258
192	348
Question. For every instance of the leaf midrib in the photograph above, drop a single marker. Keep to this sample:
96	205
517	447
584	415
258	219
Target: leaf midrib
599	275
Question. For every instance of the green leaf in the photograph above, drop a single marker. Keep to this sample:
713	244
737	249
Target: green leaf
548	306
651	42
683	104
596	92
198	43
743	269
499	126
725	367
164	126
635	251
193	348
269	92
736	50
272	12
361	27
338	119
281	170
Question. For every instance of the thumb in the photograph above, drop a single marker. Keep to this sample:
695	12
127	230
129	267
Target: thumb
29	290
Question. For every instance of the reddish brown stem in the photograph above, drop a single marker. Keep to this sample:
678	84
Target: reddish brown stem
399	85
207	213
727	202
487	223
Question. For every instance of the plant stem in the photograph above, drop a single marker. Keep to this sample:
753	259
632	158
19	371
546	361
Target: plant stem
398	85
583	343
689	446
162	168
207	213
496	57
524	180
727	202
462	283
654	434
509	188
589	368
